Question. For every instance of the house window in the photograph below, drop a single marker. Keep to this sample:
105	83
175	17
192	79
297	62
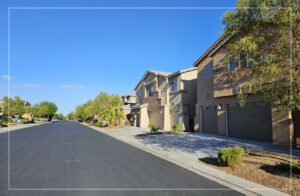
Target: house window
208	70
245	60
140	93
174	85
231	64
150	90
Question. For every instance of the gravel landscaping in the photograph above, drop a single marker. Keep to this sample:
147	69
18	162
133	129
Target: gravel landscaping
261	168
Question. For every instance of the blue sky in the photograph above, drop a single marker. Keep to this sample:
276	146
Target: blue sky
69	56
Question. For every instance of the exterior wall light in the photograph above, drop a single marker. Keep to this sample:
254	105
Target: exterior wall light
219	107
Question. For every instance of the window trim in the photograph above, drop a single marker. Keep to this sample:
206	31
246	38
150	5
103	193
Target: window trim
148	89
173	83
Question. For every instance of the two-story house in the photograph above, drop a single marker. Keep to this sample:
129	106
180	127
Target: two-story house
218	110
165	98
152	100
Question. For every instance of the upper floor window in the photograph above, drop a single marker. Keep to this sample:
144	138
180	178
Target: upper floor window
244	61
150	90
208	70
174	85
231	64
140	93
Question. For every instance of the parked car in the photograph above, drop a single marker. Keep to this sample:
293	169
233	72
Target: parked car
55	120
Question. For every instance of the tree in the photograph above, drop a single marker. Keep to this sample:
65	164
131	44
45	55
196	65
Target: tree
31	111
112	114
71	116
59	116
267	32
46	109
14	106
97	108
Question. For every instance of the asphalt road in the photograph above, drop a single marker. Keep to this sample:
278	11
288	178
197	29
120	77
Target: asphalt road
67	155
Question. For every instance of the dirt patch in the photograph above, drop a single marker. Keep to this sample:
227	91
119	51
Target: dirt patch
261	168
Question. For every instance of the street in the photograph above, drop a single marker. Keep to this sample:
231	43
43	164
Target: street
67	155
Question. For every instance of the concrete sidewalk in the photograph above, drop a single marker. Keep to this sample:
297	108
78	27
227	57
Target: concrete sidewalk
19	126
183	150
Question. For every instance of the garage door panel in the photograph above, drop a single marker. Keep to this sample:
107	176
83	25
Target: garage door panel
210	120
254	121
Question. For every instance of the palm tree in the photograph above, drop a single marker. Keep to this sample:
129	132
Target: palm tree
112	114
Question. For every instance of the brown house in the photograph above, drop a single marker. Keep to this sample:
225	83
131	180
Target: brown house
218	110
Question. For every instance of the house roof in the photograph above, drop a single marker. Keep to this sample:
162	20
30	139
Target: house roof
160	73
165	74
212	49
183	71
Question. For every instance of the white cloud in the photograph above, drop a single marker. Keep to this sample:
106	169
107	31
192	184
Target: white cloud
28	86
71	86
6	77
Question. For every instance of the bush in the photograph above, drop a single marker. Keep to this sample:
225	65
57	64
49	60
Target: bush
231	156
153	128
98	124
177	127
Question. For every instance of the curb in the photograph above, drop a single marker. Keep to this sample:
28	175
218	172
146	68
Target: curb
20	126
236	183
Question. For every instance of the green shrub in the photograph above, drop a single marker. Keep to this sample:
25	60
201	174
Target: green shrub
231	156
98	124
153	128
177	127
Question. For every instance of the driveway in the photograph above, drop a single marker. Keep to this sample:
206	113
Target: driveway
199	145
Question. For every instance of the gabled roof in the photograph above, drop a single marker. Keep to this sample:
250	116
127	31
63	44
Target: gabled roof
160	73
212	49
183	71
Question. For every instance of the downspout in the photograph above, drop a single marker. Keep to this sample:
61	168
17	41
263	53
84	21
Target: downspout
226	119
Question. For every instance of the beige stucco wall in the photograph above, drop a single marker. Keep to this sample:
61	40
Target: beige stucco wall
220	90
144	118
282	132
182	102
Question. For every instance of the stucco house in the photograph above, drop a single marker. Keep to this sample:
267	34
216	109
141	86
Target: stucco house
165	98
218	110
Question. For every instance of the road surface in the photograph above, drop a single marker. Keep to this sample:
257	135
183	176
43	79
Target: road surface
67	155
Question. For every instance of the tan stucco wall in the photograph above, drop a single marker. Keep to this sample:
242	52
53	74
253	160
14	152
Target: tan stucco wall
144	118
220	90
282	134
182	102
